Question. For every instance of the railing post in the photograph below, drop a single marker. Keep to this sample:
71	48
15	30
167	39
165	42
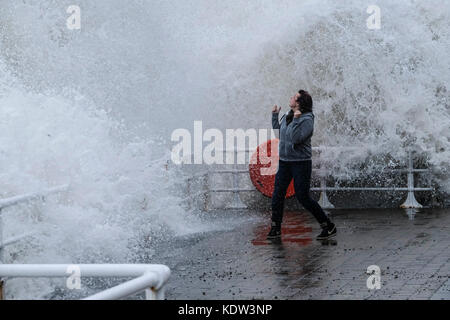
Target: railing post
2	295
207	194
237	202
323	200
188	191
2	282
150	294
410	201
1	237
154	294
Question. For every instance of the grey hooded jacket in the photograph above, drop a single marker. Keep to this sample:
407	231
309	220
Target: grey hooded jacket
295	139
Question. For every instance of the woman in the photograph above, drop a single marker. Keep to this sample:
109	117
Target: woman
296	130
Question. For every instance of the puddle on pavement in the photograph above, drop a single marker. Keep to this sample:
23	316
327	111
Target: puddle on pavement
295	229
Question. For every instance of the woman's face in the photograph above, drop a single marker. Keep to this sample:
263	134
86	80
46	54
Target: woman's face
293	102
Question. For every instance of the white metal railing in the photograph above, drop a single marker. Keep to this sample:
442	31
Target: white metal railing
410	201
204	193
4	203
150	278
12	201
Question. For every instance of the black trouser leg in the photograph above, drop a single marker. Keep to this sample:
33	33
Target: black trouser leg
282	180
301	172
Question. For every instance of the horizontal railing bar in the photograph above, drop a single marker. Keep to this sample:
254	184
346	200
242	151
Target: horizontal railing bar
336	189
323	170
198	175
126	289
373	188
319	148
231	190
230	171
15	239
196	195
86	270
235	150
7	202
149	276
313	148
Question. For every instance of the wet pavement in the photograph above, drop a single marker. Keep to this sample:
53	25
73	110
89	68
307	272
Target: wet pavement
412	250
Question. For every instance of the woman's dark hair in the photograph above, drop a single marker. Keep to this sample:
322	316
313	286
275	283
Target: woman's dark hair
305	101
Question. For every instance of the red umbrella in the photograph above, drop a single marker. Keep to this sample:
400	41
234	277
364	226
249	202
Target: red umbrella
262	173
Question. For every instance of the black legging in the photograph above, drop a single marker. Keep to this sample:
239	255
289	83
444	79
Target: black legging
301	172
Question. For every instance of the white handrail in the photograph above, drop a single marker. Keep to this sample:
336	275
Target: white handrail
7	202
142	283
150	278
410	201
318	148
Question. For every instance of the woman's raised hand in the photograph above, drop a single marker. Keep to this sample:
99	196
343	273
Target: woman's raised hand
276	109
